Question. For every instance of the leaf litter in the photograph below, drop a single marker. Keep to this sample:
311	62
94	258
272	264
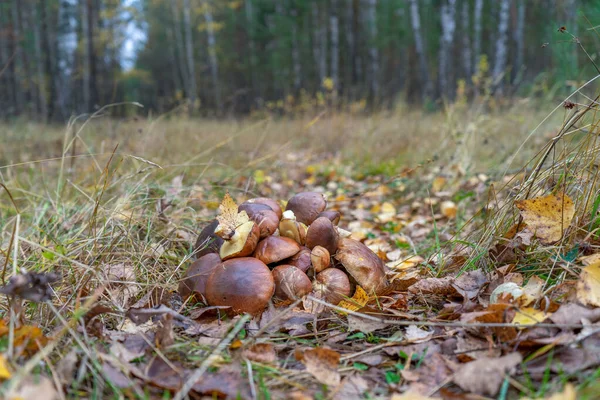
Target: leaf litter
446	328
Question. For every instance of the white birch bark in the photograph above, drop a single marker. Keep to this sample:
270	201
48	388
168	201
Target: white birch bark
212	54
448	28
373	51
501	44
466	41
335	38
477	12
189	50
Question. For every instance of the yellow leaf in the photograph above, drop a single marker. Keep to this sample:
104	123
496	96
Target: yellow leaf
358	301
532	291
529	316
438	183
569	393
588	286
548	217
229	218
4	372
591	259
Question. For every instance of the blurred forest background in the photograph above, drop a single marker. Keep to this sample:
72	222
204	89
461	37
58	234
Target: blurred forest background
233	57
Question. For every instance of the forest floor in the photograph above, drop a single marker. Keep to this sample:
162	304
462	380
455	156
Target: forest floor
487	225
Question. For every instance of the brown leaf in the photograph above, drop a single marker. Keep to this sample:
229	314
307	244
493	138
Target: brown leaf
439	286
31	286
573	313
322	364
164	336
34	387
263	353
470	283
351	387
485	375
588	286
548	217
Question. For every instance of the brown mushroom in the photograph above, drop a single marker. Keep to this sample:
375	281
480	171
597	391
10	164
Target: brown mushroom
307	206
244	284
332	285
289	227
266	219
320	258
197	274
363	264
332	215
322	233
268	202
290	282
207	241
275	248
301	259
242	243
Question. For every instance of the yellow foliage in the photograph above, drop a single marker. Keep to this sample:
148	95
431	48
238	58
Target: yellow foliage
547	217
588	286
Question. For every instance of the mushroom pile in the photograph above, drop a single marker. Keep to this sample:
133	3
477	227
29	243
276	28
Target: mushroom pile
257	253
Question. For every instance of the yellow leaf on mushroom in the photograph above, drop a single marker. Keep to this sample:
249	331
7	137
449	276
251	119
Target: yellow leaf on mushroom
588	286
229	218
548	217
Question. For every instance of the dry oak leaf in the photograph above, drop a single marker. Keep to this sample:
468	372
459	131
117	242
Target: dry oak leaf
588	286
548	217
322	364
229	218
263	353
485	375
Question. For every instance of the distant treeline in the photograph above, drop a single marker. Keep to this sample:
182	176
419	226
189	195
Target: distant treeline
64	57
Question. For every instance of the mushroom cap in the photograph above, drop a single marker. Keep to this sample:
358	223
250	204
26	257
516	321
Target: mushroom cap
245	284
266	219
363	264
322	233
307	206
290	282
320	258
275	248
301	260
332	215
207	241
242	243
194	280
268	202
332	285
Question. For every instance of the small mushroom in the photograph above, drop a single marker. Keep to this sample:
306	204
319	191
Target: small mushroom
365	267
208	241
266	219
332	215
242	243
307	206
275	248
301	259
290	282
197	274
268	202
322	233
289	227
244	284
332	285
320	258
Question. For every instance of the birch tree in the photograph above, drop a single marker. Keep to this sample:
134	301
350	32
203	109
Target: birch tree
373	51
334	31
189	52
466	40
415	18
477	12
448	14
212	54
501	44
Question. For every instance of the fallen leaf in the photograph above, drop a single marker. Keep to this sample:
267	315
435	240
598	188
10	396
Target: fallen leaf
469	284
591	259
229	218
359	324
322	364
529	316
4	370
568	393
573	313
351	387
417	335
548	217
263	353
358	301
31	286
36	387
449	209
532	291
485	375
588	286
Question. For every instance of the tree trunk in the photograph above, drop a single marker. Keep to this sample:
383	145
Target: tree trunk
212	55
466	41
334	31
189	47
477	34
519	39
297	63
39	63
319	44
252	49
18	58
86	58
49	51
179	48
373	51
426	84
501	48
448	27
